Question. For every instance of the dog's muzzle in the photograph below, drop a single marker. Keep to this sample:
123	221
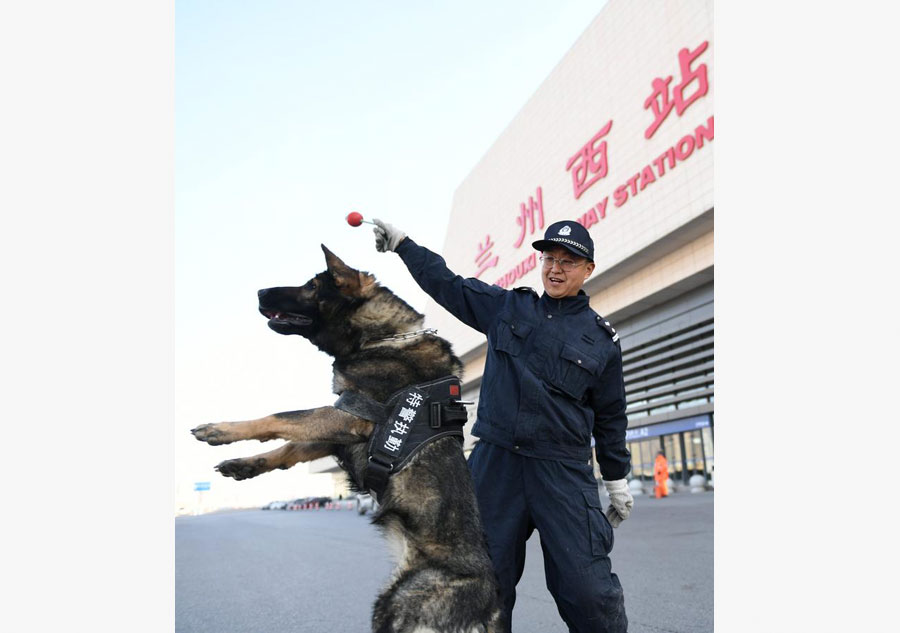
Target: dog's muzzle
287	318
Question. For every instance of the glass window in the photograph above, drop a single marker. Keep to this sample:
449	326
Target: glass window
697	440
689	456
648	453
668	407
637	469
693	447
706	435
642	455
673	454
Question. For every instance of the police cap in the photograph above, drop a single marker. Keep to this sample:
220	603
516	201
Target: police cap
570	235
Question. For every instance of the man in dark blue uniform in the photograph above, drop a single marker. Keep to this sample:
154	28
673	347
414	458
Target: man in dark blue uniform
552	380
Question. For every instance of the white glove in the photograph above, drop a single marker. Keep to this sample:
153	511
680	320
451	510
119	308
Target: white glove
387	238
620	501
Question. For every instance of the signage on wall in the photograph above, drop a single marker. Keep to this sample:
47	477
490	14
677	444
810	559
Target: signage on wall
589	165
665	428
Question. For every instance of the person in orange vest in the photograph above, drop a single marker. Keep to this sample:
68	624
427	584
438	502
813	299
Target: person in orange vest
661	475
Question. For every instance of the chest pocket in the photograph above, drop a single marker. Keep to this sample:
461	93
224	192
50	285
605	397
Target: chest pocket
511	336
575	371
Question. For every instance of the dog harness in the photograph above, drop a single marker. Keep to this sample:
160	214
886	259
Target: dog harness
410	419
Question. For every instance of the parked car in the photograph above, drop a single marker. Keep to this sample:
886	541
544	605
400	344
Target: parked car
297	504
319	502
304	502
276	505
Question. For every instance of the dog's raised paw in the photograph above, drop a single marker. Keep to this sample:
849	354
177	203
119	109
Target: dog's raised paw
242	468
211	434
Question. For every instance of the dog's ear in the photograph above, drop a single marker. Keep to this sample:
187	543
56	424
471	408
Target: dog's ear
348	280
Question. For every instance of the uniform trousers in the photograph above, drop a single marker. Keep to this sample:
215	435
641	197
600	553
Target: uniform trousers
561	500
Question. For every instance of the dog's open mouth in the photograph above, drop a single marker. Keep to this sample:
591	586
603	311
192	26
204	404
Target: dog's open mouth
291	318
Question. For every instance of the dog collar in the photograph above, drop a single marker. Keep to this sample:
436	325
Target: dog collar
406	335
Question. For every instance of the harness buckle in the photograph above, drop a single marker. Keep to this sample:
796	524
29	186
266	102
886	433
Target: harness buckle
378	462
436	418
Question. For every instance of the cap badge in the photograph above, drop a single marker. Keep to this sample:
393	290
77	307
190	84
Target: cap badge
566	230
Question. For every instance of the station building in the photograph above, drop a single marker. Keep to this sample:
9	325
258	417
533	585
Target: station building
619	137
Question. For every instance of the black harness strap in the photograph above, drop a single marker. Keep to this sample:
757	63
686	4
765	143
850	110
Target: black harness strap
362	406
410	419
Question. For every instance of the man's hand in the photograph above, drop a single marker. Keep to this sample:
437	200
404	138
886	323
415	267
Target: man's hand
387	238
620	501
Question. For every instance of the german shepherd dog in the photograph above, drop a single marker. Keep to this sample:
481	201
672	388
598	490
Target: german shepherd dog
444	582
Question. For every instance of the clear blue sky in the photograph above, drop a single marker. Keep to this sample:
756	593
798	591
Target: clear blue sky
288	116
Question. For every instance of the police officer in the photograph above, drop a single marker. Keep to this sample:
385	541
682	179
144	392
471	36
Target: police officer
552	380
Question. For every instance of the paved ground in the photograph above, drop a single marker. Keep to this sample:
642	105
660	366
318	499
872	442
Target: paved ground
311	571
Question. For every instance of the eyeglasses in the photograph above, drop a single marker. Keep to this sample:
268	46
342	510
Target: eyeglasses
566	264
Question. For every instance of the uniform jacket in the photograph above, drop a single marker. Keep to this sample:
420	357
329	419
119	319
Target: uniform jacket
552	376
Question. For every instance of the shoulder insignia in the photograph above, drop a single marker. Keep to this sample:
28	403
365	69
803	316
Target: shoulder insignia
603	323
527	289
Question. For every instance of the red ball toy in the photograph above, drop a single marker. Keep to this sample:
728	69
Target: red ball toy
354	219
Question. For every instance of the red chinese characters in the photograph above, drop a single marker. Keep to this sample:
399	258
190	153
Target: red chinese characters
484	259
660	102
590	161
526	216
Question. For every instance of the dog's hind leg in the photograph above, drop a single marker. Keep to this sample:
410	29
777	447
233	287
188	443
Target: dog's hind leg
325	424
431	600
281	458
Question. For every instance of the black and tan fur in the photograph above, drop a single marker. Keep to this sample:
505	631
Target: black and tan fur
444	582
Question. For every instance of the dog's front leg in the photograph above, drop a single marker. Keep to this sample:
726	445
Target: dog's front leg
283	457
325	424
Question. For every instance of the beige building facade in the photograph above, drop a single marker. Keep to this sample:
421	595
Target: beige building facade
619	137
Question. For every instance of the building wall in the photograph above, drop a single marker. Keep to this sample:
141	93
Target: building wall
662	233
668	360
